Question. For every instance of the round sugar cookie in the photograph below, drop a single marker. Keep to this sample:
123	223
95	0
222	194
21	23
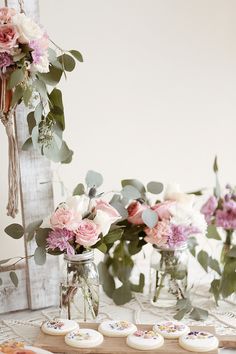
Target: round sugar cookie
59	327
145	340
84	338
171	329
117	328
198	341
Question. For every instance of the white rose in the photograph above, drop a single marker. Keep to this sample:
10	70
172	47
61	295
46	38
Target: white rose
42	66
80	203
103	221
28	29
173	192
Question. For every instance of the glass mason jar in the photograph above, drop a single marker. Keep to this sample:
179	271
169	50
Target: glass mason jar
168	275
79	287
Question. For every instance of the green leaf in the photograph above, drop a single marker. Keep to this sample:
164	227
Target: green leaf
155	187
93	179
4	260
41	236
184	306
31	228
17	95
139	287
77	55
17	76
113	236
215	165
66	154
0	281
120	208
40	255
212	232
214	264
106	279
150	218
198	314
67	62
102	248
41	88
27	144
52	77
228	279
134	183
31	122
129	192
27	95
16	231
38	112
180	314
134	246
215	289
192	243
55	154
122	295
14	278
232	252
55	98
203	259
79	189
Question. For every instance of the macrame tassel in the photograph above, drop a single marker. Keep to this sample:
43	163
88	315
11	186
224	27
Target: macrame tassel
7	118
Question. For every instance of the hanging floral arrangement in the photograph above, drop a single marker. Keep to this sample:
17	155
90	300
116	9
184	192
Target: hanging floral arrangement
30	69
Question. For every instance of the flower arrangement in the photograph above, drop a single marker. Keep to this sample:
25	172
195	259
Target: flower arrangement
28	67
220	213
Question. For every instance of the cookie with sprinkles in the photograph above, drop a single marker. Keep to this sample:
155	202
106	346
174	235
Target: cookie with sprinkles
84	338
117	328
145	340
59	327
198	341
171	329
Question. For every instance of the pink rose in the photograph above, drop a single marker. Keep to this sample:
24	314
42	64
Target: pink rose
87	233
163	209
105	216
6	14
65	218
135	210
158	235
8	37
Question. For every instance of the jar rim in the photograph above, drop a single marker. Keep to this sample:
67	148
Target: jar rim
81	257
182	247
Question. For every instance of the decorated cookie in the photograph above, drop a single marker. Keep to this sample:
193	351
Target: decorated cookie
59	327
84	338
198	341
117	328
145	340
171	329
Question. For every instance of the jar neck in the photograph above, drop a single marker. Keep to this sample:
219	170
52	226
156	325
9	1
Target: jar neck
85	257
182	247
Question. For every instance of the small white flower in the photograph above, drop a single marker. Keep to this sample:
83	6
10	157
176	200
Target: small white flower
42	66
28	29
173	192
80	203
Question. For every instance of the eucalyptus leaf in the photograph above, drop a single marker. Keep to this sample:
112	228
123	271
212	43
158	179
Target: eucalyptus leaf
31	228
120	208
35	137
1	282
40	255
41	236
134	183
102	247
106	279
113	236
139	287
15	230
55	98
41	88
31	121
215	289
27	144
214	264
150	218
53	77
232	252
122	295
16	77
203	259
215	165
155	187
129	192
79	189
14	278
93	179
67	62
198	314
192	243
77	55
38	112
3	261
17	95
180	314
212	232
27	95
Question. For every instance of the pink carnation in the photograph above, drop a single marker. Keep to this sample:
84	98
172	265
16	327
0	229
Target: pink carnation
226	218
65	218
159	234
209	208
87	233
179	235
5	61
8	37
6	15
40	47
59	238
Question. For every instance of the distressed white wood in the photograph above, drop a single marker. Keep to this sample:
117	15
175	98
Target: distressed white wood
37	202
12	298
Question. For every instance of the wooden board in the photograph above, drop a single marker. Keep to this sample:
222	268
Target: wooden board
56	344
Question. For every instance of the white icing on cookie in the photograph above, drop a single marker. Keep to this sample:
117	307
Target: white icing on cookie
198	341
145	340
84	338
117	328
171	329
59	327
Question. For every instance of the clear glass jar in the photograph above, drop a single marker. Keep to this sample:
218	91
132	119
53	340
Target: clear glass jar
79	287
168	275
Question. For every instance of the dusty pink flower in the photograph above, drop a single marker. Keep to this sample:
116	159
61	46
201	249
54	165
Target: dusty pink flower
209	208
135	210
226	217
8	37
5	61
87	233
59	238
65	218
159	234
179	234
163	209
40	47
6	14
105	207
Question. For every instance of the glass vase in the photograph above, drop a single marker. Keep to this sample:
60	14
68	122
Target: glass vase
168	275
79	287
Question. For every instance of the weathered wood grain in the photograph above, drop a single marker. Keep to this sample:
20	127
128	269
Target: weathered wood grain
112	345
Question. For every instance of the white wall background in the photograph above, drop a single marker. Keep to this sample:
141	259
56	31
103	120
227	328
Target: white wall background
155	97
